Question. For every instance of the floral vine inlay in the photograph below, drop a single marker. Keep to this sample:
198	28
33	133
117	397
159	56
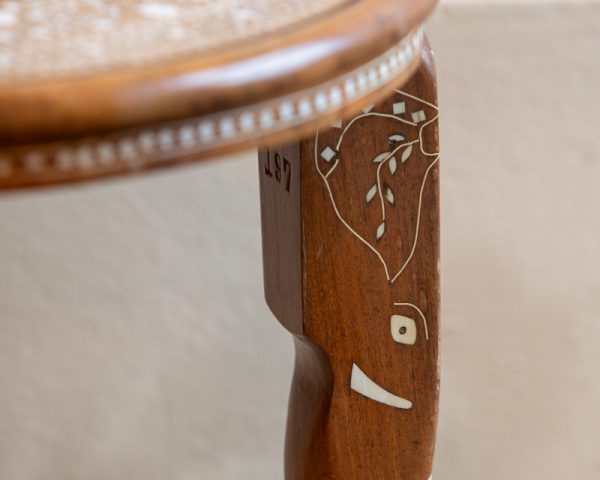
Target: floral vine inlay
389	200
381	193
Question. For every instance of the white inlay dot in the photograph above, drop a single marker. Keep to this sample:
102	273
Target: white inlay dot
404	329
321	101
34	161
373	77
247	123
335	96
362	81
286	111
305	107
106	153
166	138
64	159
147	141
350	87
267	119
186	136
84	157
127	149
384	71
206	130
227	127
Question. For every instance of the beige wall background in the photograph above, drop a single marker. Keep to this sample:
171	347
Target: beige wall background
135	345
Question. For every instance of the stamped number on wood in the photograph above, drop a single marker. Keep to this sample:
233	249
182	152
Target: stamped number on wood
279	168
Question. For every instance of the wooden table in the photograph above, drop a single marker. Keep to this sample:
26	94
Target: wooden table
340	96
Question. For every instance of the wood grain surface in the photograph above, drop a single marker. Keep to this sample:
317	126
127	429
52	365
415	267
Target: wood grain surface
77	106
232	74
194	139
351	261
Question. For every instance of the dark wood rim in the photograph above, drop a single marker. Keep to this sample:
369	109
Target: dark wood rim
35	165
314	52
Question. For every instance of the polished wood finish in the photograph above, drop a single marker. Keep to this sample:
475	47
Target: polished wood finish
175	143
122	118
350	215
340	283
224	77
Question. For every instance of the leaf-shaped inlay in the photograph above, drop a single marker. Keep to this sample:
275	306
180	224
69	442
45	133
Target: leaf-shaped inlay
380	230
389	196
407	153
371	193
381	157
393	164
397	138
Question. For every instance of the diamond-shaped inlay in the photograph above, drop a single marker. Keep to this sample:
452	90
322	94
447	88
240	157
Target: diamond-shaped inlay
328	154
399	108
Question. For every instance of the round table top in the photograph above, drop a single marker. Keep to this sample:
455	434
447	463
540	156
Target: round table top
102	87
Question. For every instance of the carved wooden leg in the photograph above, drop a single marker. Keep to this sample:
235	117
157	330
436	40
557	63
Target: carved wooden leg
350	224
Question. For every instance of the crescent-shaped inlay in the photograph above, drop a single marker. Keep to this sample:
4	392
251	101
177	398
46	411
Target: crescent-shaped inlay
362	384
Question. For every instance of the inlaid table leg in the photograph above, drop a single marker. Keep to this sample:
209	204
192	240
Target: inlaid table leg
350	222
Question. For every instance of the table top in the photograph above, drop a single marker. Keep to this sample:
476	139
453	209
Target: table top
104	87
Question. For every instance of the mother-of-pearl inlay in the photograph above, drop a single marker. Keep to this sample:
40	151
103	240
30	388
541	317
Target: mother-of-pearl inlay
142	148
362	384
406	148
403	329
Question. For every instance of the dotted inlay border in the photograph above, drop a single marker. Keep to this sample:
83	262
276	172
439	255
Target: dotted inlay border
134	149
